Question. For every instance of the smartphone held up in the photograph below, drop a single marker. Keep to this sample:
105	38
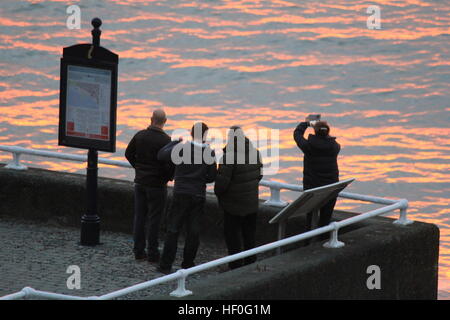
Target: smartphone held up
312	119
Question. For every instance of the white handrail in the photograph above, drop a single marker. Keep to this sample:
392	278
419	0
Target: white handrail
275	186
182	274
29	292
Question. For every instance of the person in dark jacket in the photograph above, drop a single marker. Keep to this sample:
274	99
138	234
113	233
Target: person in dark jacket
195	166
320	165
150	185
237	190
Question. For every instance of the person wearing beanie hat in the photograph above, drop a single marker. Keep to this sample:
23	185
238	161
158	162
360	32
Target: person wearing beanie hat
320	166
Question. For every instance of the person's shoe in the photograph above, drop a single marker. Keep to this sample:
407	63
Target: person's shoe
187	265
140	256
164	270
153	258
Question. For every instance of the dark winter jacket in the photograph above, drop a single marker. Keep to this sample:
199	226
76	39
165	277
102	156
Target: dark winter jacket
320	165
142	153
237	183
195	166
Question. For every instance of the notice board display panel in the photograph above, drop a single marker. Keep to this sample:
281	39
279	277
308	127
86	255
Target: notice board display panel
88	102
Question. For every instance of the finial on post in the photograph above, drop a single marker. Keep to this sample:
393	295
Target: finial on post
96	32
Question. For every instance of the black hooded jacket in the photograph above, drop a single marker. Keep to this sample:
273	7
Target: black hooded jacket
320	165
237	183
195	168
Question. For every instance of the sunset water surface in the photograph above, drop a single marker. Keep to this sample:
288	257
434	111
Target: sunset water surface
258	64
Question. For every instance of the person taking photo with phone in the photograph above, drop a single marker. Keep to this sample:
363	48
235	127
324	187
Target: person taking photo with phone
320	165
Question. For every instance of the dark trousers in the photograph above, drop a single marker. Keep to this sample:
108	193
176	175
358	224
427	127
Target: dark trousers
239	234
149	204
186	210
324	218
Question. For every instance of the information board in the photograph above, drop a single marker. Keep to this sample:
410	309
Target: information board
88	98
88	102
311	200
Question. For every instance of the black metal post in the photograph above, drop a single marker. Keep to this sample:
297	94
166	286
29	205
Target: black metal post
96	32
90	222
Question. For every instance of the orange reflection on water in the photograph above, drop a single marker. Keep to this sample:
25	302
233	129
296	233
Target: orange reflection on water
190	93
405	137
8	70
145	53
18	23
207	63
15	93
433	167
31	46
38	113
299	20
153	16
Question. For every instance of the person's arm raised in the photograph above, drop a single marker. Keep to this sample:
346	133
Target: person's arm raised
299	133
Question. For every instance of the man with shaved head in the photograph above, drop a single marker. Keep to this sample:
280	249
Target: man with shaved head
150	185
159	117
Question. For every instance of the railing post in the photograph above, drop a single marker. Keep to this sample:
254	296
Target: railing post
281	233
181	291
28	292
402	220
334	242
275	197
15	163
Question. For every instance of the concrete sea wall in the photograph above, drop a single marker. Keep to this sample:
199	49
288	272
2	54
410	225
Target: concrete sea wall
407	256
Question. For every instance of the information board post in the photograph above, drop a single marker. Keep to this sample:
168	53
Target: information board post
90	222
87	117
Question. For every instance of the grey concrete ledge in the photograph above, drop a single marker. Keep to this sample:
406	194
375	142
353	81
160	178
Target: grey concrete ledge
406	255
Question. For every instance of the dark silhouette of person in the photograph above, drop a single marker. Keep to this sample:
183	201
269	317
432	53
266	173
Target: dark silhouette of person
195	166
150	185
320	166
237	190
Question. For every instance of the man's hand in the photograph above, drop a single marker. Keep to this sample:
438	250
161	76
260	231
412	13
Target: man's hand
303	124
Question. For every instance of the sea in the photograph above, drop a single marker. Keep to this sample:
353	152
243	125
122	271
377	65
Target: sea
377	71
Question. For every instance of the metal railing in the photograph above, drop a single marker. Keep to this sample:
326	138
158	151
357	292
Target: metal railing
182	274
274	186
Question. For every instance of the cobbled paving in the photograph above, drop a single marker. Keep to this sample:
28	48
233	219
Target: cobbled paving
37	255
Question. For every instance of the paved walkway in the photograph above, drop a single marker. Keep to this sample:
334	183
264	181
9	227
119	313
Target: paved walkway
37	255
